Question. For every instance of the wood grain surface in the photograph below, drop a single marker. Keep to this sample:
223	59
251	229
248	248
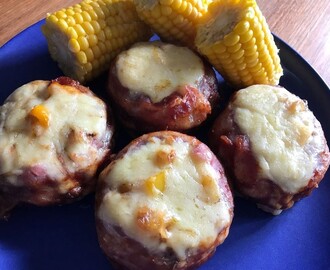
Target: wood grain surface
303	24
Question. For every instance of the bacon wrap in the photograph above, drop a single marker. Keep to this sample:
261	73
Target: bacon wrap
183	110
125	252
233	148
33	183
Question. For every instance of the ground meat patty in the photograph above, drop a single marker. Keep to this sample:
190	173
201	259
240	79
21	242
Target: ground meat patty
53	136
163	203
158	86
272	146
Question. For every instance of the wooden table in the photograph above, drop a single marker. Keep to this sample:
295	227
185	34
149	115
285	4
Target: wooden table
303	24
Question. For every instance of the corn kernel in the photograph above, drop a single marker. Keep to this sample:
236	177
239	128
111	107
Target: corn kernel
155	184
89	54
78	18
77	8
194	13
62	24
52	18
183	7
254	68
88	67
79	30
96	64
92	40
234	48
100	13
61	14
71	32
237	55
70	21
40	113
244	73
96	27
74	45
97	52
189	10
251	62
231	40
112	11
85	5
166	11
176	4
166	2
154	222
83	42
156	13
70	11
87	27
82	58
101	37
242	27
93	14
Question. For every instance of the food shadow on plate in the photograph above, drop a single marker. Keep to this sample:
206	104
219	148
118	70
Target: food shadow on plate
56	237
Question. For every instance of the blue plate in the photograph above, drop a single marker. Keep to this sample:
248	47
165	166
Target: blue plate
64	237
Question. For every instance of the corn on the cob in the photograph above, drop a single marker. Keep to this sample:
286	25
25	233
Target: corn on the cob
85	37
173	20
236	39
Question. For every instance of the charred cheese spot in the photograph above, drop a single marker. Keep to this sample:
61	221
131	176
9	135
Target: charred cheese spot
179	205
211	189
296	106
164	158
125	188
282	134
171	67
153	222
68	184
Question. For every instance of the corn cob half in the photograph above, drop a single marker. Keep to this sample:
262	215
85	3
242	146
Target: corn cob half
173	20
236	39
84	38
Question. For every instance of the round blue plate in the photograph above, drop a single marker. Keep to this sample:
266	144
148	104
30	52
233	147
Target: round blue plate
64	237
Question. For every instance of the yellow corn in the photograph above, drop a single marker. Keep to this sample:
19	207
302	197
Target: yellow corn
236	39
173	20
40	114
84	38
155	184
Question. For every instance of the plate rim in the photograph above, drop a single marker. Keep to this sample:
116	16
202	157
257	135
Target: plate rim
282	44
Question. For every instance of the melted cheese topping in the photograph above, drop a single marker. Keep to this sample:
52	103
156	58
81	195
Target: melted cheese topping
66	145
283	137
185	211
157	69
